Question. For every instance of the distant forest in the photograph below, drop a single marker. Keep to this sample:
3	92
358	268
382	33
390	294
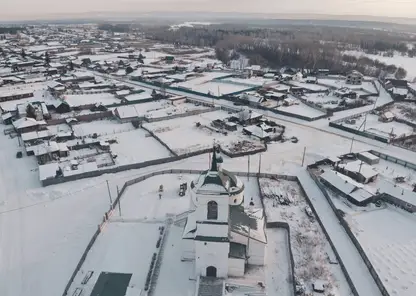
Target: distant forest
10	30
298	46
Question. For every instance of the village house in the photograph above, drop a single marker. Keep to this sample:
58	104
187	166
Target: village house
15	94
359	171
354	77
126	113
27	124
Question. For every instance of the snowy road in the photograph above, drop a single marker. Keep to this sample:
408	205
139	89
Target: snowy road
354	264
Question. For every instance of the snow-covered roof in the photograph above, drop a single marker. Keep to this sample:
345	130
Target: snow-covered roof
128	111
400	91
335	179
256	131
48	171
357	166
35	135
44	148
361	194
27	122
388	115
398	192
140	96
369	155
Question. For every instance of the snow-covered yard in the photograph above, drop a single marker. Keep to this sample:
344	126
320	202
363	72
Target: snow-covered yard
279	280
193	138
301	109
366	86
135	146
309	245
405	111
91	99
387	130
389	240
120	248
101	128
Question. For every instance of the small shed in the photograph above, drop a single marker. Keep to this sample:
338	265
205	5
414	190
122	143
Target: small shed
368	158
386	117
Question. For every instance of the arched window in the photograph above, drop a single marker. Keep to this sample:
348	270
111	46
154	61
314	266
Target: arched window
211	271
212	213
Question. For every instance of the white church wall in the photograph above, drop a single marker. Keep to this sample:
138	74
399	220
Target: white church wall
256	252
214	230
188	249
236	267
202	209
236	199
211	254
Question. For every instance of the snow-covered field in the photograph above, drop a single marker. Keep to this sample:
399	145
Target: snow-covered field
389	240
387	130
302	109
101	128
135	146
339	83
191	137
120	248
91	99
279	280
309	245
165	108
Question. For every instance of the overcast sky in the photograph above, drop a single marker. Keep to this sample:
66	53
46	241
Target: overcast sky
21	9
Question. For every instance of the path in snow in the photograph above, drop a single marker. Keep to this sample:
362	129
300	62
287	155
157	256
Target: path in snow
278	281
354	264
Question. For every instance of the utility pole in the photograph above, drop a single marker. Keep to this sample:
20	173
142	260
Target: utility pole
119	201
352	142
303	158
248	168
109	194
259	163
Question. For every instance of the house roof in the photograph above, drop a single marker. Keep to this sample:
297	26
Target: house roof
27	122
358	166
247	224
128	111
335	179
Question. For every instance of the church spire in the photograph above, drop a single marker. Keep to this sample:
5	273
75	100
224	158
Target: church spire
214	164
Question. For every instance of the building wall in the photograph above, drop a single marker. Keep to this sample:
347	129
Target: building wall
256	252
202	207
211	254
188	249
236	267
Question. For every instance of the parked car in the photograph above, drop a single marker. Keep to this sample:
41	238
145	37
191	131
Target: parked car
19	154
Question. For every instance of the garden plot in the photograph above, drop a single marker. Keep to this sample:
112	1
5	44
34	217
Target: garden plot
388	237
302	109
120	248
279	275
324	100
135	146
386	130
405	111
165	108
366	86
101	128
91	99
309	245
183	135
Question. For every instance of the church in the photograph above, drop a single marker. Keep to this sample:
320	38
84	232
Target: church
221	236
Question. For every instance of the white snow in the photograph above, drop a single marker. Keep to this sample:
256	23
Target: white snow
101	127
91	99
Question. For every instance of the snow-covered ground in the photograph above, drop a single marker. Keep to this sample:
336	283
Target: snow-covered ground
91	99
279	280
389	240
309	245
404	110
101	128
310	86
120	248
340	83
194	138
387	130
302	109
135	146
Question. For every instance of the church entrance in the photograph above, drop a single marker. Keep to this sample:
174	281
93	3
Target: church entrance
211	271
